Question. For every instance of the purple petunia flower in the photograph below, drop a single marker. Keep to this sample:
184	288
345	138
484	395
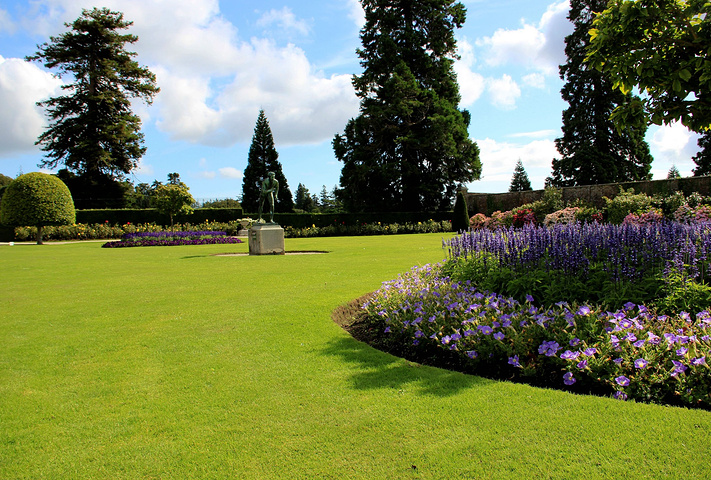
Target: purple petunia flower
514	361
584	311
639	343
682	351
620	395
568	355
485	329
622	381
575	342
641	363
472	354
678	368
582	365
529	299
698	361
548	349
589	352
618	361
569	379
387	329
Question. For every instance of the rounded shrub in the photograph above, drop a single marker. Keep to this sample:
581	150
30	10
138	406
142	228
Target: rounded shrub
37	199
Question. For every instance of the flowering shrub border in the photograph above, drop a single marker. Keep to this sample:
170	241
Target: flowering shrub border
154	239
630	353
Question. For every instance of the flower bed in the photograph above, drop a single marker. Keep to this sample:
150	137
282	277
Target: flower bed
629	353
152	239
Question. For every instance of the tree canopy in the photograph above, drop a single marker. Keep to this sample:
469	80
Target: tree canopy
409	147
663	48
262	159
592	149
92	128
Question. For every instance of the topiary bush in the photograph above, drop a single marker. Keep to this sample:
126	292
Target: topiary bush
37	199
460	217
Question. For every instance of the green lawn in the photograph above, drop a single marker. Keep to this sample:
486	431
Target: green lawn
169	362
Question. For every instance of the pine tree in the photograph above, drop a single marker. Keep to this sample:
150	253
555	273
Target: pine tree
519	181
304	200
673	173
592	150
703	158
262	159
409	147
92	129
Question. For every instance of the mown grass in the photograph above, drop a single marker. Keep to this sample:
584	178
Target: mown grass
168	362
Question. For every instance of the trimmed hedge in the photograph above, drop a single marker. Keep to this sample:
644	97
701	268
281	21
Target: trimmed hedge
151	215
305	220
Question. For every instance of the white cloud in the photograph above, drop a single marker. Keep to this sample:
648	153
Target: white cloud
22	85
207	175
499	160
230	172
471	84
540	47
535	80
6	23
535	134
671	145
356	13
144	169
284	19
503	92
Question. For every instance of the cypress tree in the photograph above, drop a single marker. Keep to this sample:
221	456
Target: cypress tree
519	181
460	217
592	150
262	159
409	147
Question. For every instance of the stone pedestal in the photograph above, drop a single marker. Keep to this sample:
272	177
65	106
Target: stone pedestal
266	239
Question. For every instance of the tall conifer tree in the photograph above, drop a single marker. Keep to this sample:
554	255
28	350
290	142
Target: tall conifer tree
263	158
92	129
520	181
409	147
592	150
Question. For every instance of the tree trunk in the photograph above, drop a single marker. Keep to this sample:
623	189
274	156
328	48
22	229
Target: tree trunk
39	235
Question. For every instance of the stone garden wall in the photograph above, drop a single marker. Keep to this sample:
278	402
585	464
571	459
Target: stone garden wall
487	203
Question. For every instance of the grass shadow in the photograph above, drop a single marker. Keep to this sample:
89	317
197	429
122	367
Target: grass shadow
375	367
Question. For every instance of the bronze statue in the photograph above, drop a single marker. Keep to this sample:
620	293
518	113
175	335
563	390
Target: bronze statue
270	190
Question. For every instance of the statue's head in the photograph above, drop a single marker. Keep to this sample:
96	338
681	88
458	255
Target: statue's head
271	175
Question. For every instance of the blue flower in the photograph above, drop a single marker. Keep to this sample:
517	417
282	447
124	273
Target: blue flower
499	336
641	363
514	361
472	354
485	329
584	311
568	379
529	299
698	361
569	355
622	381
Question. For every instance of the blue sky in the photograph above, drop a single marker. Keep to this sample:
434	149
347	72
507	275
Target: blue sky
219	62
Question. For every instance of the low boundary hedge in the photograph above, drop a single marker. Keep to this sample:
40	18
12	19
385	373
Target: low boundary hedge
151	215
305	220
